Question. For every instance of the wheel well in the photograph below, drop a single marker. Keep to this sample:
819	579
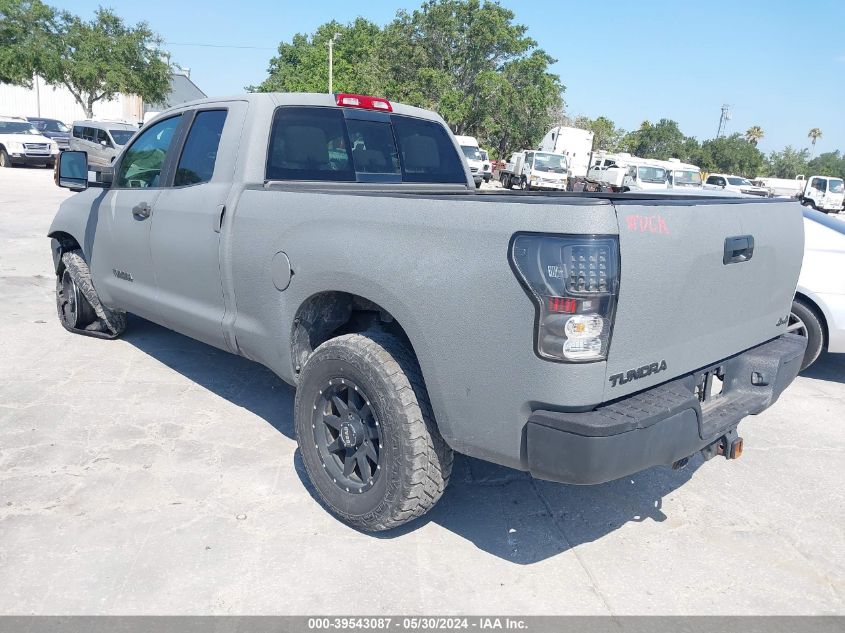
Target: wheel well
66	243
328	314
811	305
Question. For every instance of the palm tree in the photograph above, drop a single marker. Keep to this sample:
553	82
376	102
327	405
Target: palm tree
814	135
754	134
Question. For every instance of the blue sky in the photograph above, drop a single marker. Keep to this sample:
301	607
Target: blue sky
779	64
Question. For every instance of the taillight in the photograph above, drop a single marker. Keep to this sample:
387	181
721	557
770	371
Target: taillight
363	101
573	281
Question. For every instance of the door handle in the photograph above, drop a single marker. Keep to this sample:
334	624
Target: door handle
738	249
141	211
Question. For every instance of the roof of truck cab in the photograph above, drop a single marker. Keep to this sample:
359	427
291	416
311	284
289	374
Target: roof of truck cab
306	99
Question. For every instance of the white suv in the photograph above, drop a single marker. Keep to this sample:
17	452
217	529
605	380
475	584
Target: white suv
737	184
22	144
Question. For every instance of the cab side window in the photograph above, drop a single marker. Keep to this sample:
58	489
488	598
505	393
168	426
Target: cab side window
309	143
196	165
102	136
143	161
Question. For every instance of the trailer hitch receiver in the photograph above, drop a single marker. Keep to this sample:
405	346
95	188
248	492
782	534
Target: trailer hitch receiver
728	446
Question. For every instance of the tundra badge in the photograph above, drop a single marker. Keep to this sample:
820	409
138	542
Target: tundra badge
122	275
636	374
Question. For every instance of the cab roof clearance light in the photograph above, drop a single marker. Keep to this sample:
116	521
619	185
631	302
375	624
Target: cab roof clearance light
348	100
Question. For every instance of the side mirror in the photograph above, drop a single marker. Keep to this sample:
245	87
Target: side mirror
104	143
72	170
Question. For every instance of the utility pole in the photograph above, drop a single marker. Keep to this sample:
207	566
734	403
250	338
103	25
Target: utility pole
332	40
37	95
723	120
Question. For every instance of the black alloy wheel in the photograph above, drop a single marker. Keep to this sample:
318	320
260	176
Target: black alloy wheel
347	435
75	310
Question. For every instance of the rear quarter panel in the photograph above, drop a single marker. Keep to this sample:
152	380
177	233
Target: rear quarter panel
440	267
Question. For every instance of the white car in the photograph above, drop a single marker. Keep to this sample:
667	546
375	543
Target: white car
737	184
22	144
818	311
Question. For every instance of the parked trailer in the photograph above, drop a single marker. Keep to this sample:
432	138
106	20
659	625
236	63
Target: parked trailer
782	187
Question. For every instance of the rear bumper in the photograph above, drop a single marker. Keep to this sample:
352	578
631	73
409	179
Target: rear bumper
661	425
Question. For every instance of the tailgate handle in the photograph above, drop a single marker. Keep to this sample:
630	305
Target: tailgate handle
739	248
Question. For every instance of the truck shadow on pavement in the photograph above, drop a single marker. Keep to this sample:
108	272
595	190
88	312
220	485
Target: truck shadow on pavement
512	516
499	510
242	382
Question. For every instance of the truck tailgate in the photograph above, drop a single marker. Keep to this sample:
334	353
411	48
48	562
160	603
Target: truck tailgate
679	302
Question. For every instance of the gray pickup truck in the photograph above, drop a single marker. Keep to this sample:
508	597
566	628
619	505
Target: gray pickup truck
339	240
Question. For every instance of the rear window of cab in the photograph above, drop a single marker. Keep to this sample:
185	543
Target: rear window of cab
321	143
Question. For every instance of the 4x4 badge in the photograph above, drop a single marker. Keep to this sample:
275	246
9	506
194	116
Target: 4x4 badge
782	321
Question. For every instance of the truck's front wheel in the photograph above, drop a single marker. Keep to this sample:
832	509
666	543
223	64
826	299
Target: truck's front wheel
366	432
80	309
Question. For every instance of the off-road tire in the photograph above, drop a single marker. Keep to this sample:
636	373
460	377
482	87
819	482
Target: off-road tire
414	461
5	160
106	322
813	330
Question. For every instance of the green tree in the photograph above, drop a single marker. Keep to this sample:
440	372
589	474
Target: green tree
94	59
788	163
661	140
754	134
517	114
814	135
302	65
731	154
455	56
606	136
97	59
25	26
827	164
465	59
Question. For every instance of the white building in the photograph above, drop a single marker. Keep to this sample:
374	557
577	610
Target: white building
58	103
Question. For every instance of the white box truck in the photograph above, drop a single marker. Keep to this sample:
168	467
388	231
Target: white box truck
574	143
472	152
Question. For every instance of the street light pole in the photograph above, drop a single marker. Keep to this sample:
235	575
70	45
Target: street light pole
332	40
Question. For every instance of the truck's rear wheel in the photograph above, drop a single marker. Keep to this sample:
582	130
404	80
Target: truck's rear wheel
77	303
366	432
5	161
804	321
